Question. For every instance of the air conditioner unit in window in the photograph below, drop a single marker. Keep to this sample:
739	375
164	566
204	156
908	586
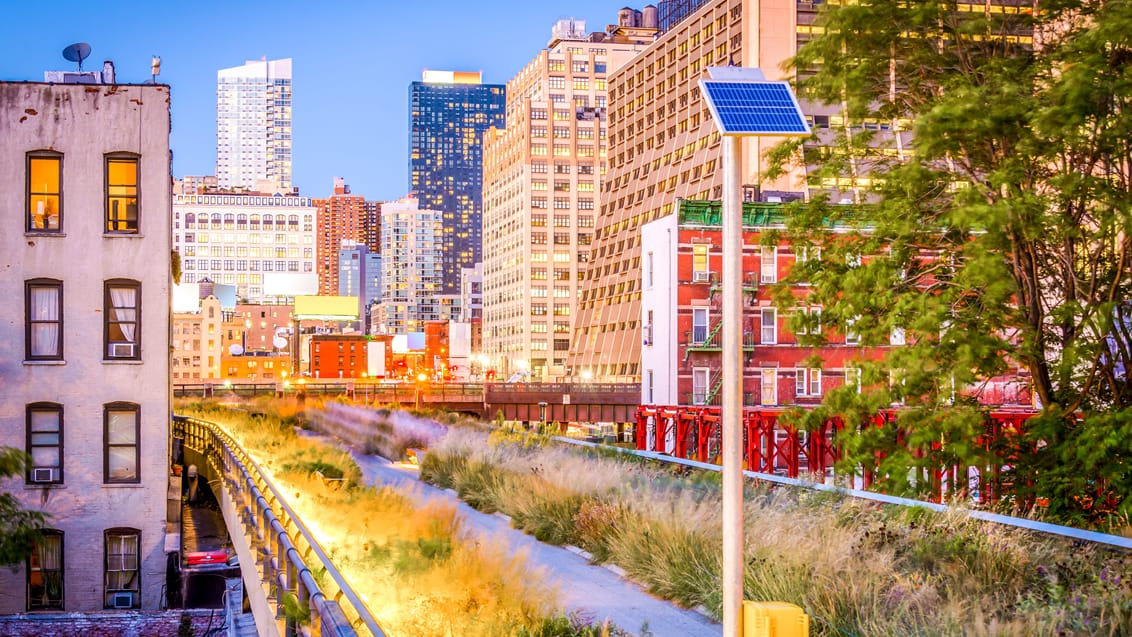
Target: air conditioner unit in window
701	275
43	474
122	350
122	600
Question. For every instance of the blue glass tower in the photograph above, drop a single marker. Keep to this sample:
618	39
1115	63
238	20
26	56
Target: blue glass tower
448	114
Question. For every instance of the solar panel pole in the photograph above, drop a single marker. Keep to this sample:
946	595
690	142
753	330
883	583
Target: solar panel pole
731	406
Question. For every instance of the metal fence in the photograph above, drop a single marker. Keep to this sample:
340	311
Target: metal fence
286	549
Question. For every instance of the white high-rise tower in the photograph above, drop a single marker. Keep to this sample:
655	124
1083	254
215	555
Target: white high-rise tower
253	125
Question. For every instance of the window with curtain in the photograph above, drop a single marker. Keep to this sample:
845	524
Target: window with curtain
45	443
45	192
123	319
122	568
45	572
122	194
44	307
121	454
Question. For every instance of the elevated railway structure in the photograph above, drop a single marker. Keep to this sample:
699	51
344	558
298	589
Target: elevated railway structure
521	402
277	554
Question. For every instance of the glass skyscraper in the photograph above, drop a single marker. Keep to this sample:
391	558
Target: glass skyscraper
253	125
448	114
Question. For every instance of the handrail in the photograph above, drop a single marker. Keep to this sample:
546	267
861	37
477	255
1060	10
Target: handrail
323	608
986	516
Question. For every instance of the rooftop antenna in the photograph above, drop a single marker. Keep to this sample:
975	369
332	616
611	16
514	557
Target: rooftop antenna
77	52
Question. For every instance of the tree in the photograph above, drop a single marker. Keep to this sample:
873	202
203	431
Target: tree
995	232
19	527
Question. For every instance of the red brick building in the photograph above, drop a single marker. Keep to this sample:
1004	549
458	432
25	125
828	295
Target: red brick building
343	216
338	355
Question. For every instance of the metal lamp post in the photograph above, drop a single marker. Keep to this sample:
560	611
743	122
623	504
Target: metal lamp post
742	104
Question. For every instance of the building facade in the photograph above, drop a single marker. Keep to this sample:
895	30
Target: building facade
681	344
262	244
471	294
411	277
542	176
343	217
359	275
198	343
663	147
253	125
448	114
84	353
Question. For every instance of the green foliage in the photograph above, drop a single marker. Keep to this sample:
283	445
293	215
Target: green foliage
997	241
295	609
19	527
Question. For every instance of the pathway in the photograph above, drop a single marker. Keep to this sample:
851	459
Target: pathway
595	591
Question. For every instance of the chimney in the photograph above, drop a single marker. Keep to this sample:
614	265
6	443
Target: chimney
108	72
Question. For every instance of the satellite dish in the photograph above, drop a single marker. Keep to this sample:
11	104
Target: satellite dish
279	342
77	52
236	349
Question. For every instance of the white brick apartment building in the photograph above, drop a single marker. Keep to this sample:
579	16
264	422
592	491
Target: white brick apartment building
85	194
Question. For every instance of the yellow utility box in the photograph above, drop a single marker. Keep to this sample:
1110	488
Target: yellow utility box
774	619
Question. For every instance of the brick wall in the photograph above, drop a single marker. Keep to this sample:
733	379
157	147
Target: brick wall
108	624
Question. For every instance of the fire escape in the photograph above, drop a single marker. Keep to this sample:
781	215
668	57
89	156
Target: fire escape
709	337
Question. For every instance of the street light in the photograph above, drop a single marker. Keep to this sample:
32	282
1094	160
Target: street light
542	416
743	104
365	381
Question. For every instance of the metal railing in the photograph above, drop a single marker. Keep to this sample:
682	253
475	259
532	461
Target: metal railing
282	543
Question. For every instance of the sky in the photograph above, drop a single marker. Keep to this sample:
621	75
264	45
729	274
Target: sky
353	62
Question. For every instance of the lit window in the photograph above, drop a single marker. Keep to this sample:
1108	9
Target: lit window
44	192
45	572
122	194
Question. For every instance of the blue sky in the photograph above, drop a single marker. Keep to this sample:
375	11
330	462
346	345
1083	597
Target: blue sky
353	62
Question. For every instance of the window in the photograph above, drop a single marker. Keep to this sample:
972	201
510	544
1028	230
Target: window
45	572
896	336
123	319
699	325
649	271
122	194
768	265
810	320
809	382
122	569
44	192
45	443
769	319
700	263
851	335
769	387
121	451
649	382
699	385
44	303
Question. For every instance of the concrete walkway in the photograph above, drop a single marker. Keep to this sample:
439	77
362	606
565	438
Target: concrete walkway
595	591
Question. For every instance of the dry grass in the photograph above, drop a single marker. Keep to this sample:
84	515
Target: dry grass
421	574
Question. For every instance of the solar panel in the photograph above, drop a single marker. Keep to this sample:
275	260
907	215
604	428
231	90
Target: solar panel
755	108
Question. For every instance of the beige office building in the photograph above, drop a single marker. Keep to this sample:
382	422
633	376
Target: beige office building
542	175
663	147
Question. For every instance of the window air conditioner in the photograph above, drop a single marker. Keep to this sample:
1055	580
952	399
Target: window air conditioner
122	350
122	600
43	474
701	275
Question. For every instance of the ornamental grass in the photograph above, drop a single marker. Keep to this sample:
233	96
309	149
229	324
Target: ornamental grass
856	567
417	568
